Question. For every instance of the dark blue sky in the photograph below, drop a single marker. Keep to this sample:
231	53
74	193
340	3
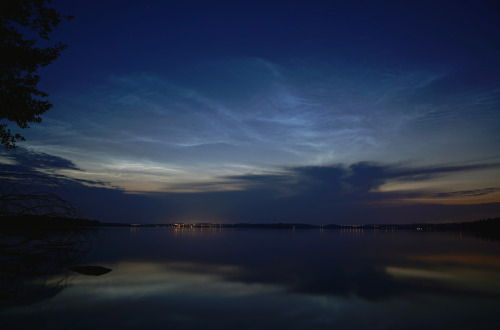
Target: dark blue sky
313	111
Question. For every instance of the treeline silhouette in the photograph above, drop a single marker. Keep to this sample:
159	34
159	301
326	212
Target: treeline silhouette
37	222
490	225
41	221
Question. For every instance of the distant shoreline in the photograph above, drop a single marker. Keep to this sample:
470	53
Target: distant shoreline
479	225
491	225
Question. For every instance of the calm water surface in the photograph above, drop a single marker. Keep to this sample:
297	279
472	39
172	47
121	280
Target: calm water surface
261	279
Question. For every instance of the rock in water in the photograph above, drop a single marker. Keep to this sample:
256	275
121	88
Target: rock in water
91	270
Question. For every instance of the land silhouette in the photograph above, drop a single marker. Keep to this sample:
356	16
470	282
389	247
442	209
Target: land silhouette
42	222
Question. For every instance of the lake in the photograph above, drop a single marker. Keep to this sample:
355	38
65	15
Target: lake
165	278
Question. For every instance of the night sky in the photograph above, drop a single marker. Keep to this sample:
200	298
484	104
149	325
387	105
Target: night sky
273	111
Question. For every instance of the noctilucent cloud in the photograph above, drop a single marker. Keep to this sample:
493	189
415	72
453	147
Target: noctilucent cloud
273	111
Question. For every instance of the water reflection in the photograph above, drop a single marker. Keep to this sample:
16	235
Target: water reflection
139	279
271	279
472	273
33	263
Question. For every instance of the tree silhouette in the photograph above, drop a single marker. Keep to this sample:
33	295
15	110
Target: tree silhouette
24	194
23	23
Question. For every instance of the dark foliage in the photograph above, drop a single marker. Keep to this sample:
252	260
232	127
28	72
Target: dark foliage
23	25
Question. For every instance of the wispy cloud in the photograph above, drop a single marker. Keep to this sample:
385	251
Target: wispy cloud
468	193
30	161
331	193
255	112
318	194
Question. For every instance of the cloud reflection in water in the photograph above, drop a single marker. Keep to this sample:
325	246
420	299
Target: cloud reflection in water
139	279
273	279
